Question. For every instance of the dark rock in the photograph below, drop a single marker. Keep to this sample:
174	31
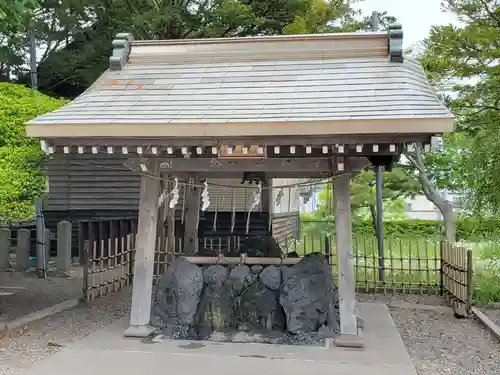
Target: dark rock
271	277
292	254
273	249
255	246
306	294
214	275
260	307
178	294
285	272
239	279
261	246
256	269
215	307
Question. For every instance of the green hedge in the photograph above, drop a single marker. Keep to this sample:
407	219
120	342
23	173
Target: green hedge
467	229
406	228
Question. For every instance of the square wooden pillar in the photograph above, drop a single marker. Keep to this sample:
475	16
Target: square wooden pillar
349	336
145	254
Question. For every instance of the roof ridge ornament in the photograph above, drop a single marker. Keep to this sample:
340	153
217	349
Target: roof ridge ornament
395	42
121	51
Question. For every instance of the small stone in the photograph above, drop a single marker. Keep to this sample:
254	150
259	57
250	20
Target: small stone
158	338
219	337
256	269
460	312
54	344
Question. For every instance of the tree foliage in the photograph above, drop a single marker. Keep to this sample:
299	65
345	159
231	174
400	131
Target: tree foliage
21	176
75	35
75	39
464	62
396	186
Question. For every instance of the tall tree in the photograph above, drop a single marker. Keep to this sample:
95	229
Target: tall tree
463	61
15	16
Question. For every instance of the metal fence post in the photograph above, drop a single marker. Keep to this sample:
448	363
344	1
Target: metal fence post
328	249
470	281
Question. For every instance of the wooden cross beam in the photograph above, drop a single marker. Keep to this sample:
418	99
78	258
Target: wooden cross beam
267	165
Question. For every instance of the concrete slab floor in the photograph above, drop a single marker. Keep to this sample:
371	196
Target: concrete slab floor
107	351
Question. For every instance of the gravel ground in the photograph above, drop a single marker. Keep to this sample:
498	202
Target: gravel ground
441	344
38	293
430	300
438	343
20	348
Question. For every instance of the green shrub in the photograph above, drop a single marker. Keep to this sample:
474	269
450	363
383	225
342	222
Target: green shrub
467	229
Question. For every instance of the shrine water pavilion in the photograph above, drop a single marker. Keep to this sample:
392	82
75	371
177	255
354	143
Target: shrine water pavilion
259	108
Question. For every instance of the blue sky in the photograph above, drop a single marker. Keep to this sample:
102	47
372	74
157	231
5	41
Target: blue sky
417	17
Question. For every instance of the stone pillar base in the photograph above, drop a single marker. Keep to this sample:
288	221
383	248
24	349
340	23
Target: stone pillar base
349	341
139	331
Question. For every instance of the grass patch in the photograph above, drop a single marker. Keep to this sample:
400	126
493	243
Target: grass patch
486	272
409	264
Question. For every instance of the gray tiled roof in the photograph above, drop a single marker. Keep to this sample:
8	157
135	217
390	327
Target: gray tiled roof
328	89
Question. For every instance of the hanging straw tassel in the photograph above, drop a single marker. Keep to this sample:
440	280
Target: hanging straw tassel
205	197
174	194
255	202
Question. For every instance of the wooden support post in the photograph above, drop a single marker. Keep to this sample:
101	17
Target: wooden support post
4	248
23	249
349	336
191	218
63	260
144	255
